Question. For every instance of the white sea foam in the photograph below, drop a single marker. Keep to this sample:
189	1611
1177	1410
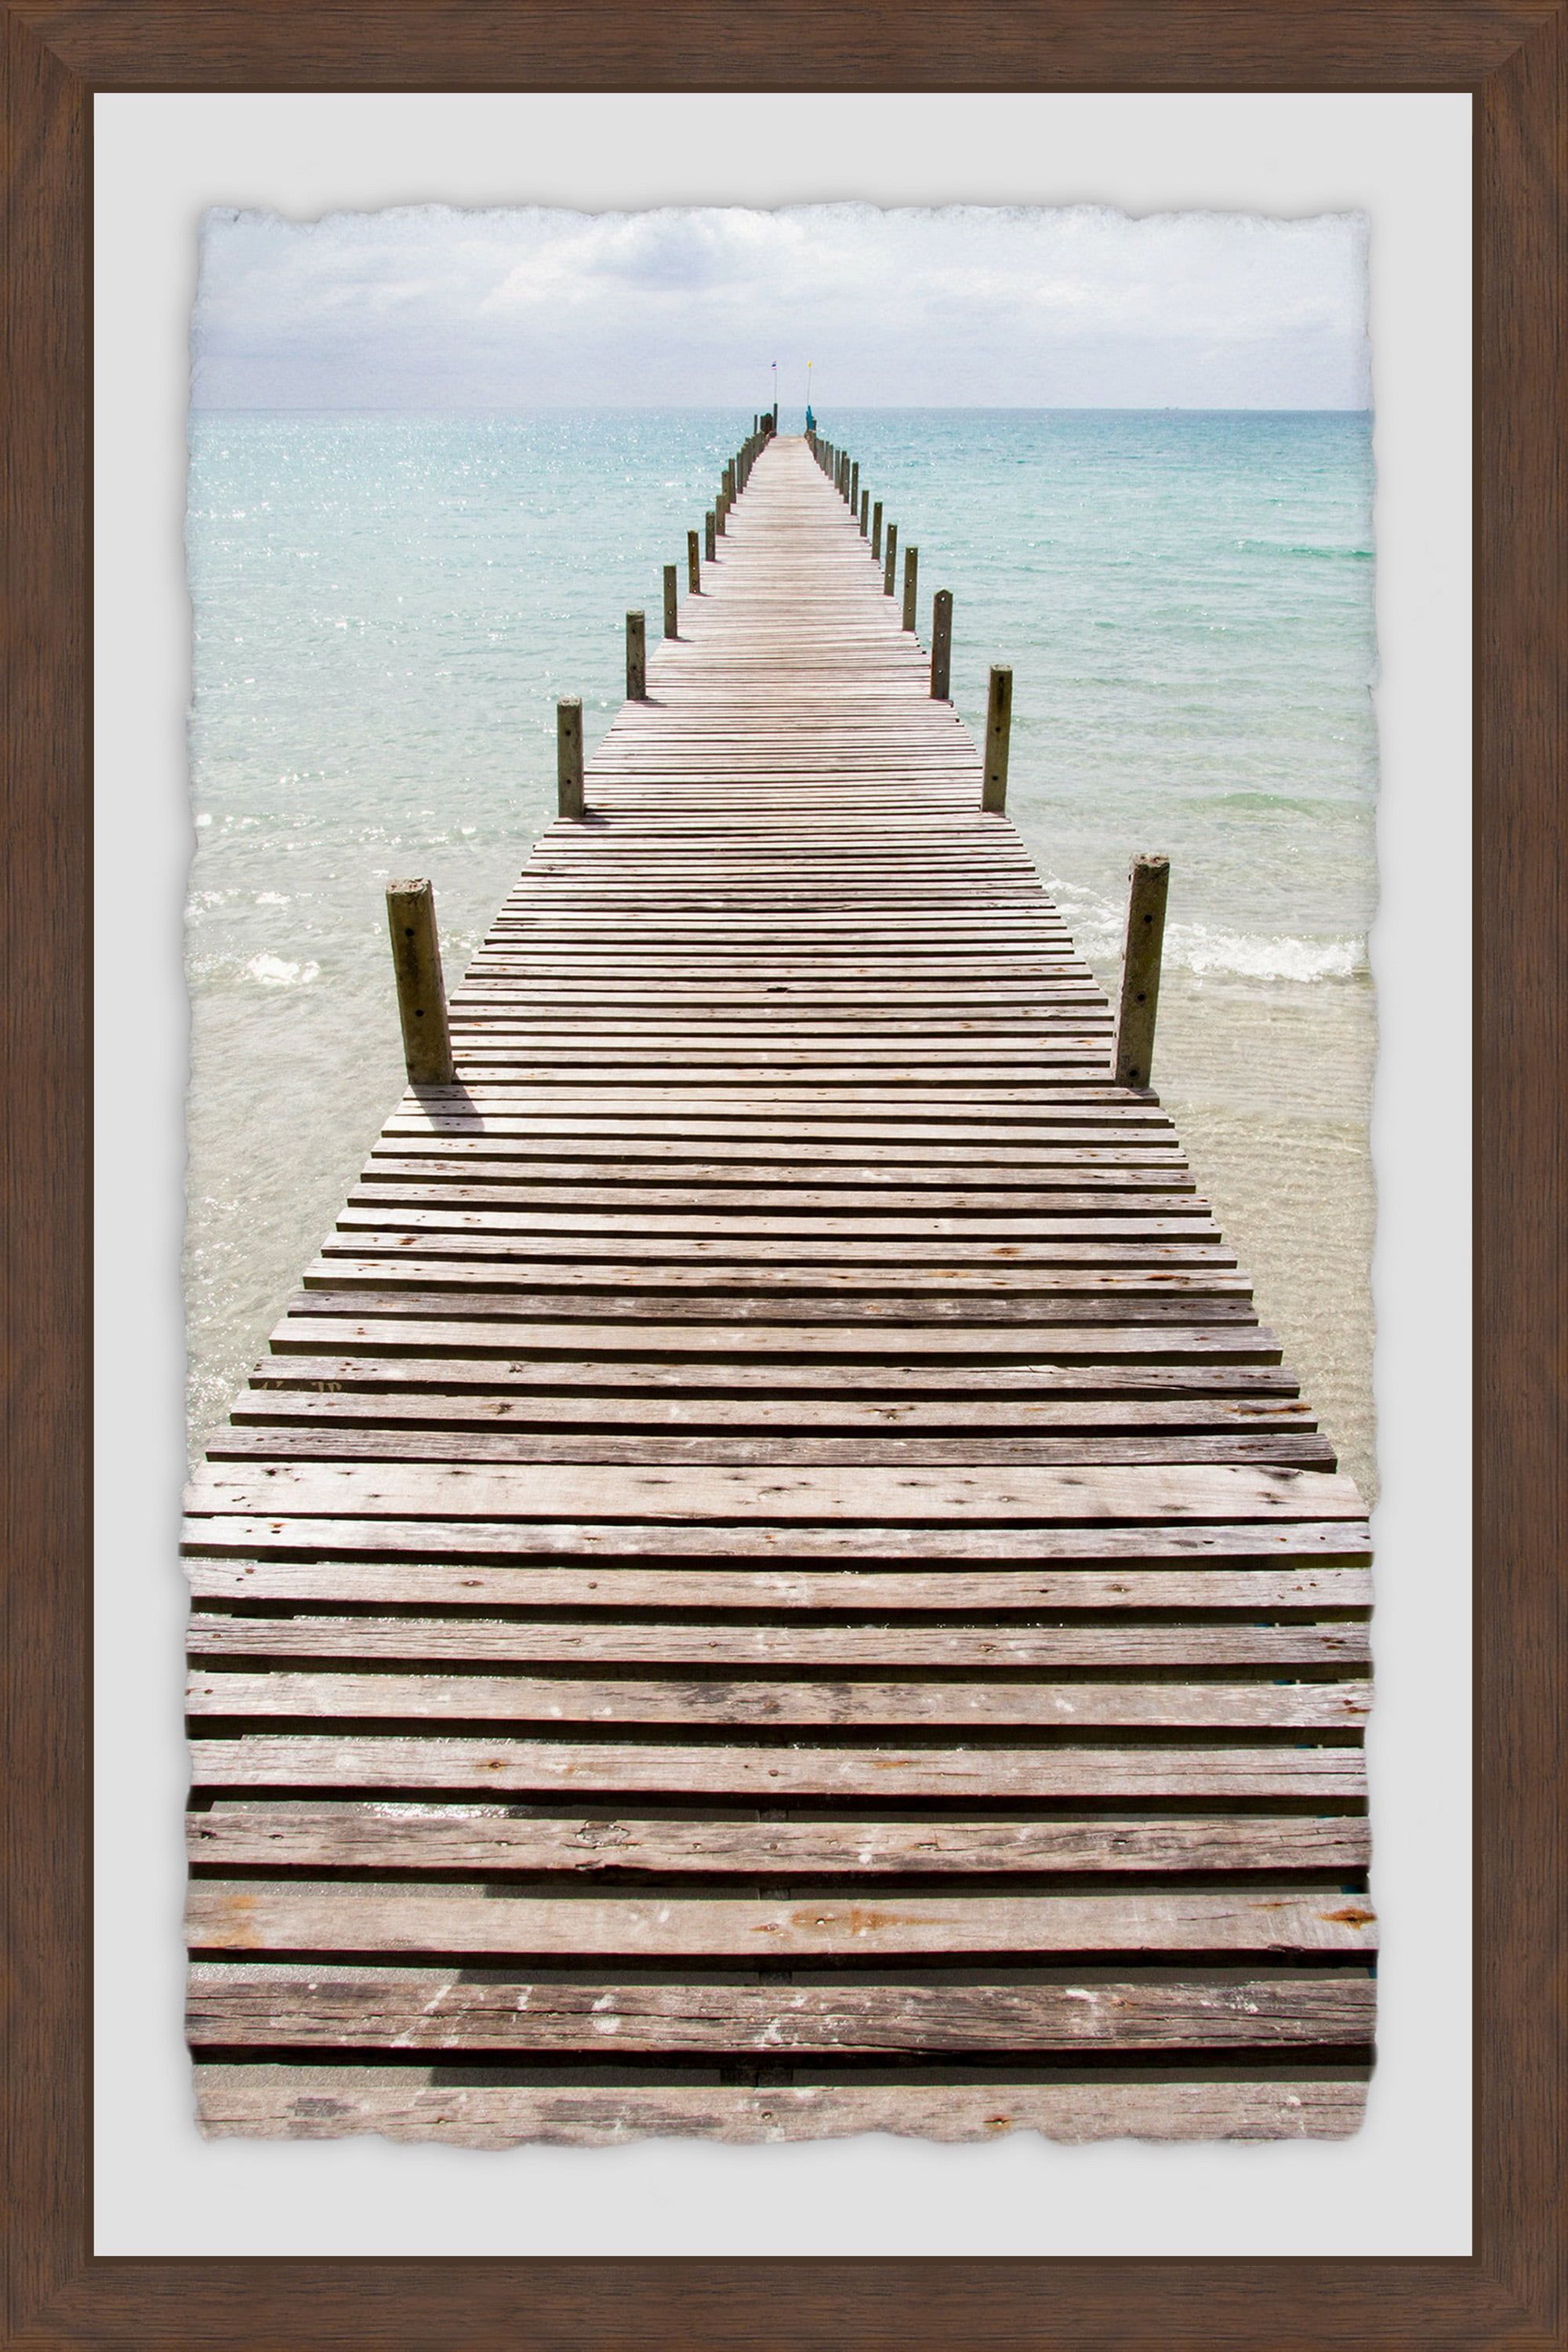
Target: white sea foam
272	972
1209	952
1212	954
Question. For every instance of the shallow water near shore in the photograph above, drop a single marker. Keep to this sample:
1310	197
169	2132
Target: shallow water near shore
387	607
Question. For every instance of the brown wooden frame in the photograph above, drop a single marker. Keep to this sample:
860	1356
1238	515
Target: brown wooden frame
1513	56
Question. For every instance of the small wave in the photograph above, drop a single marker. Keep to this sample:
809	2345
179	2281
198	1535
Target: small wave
1325	554
1192	947
273	972
1266	803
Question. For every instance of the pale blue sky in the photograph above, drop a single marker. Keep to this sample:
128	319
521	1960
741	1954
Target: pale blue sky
428	307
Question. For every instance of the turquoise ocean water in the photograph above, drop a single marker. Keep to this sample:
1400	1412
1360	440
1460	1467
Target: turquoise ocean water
386	609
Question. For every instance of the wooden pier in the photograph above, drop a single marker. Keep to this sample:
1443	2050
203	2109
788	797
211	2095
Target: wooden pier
771	1584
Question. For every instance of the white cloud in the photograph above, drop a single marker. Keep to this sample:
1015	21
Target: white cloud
435	308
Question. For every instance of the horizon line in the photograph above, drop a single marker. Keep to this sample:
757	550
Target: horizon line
850	408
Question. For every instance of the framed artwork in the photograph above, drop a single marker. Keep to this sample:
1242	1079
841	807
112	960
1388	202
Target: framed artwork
329	1607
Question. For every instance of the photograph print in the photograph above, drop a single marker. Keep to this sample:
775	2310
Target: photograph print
779	1199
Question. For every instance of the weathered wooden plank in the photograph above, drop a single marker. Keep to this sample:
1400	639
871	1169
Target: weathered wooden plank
420	1264
294	2103
248	1916
978	1706
361	1322
471	1639
430	1233
663	1172
433	1583
631	1384
460	1490
391	1411
476	1540
367	1291
349	1441
471	1838
1216	1775
277	2004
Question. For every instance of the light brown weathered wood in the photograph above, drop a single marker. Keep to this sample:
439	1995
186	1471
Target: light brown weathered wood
468	1324
998	735
468	1640
291	2102
941	644
474	1838
279	2003
637	657
280	1441
569	757
775	1472
989	1593
980	1705
241	1535
1213	1775
1034	1497
421	992
241	1915
1148	883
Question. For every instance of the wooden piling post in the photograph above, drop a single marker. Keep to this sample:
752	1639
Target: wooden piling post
693	563
890	566
1149	880
636	658
569	757
854	485
876	530
421	991
998	734
865	514
710	532
941	644
911	584
671	609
